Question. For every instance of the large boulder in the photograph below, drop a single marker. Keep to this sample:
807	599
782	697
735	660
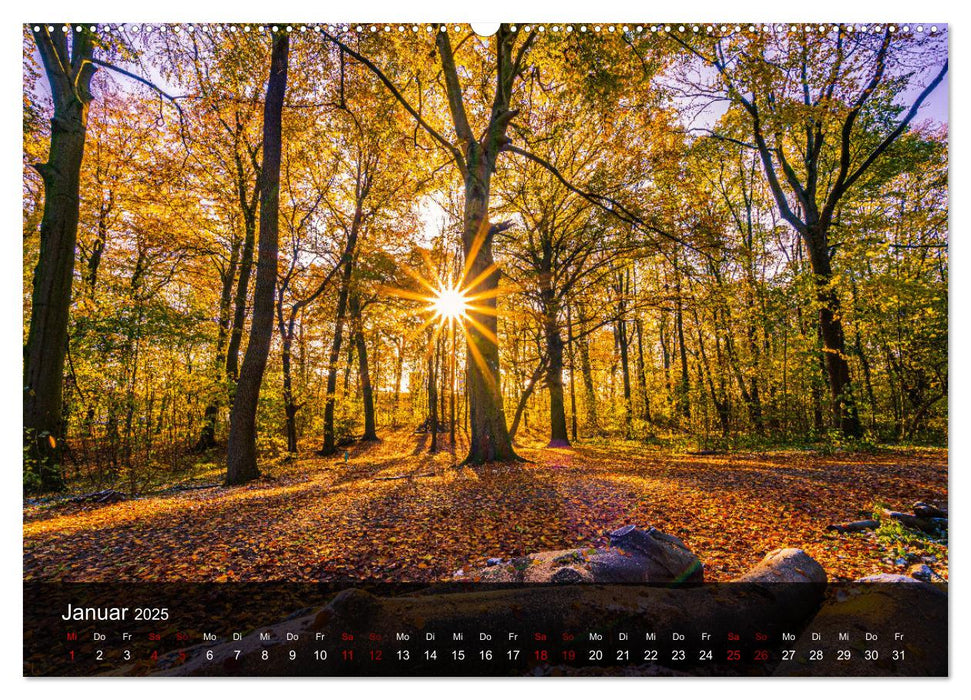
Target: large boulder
785	566
635	555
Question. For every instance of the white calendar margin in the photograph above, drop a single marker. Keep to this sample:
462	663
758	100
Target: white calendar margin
700	11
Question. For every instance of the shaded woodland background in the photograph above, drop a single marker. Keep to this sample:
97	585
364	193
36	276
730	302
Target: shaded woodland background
701	241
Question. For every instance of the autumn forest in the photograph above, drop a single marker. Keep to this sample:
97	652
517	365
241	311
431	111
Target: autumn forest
384	301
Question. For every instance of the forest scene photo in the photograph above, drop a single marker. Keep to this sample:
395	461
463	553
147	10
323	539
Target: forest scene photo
407	303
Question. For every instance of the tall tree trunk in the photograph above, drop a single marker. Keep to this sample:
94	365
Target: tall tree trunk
666	359
586	372
524	397
98	247
433	389
573	373
554	353
399	367
489	437
754	393
367	392
718	399
330	442
241	457
749	394
289	404
843	406
554	382
684	403
69	78
864	360
642	372
475	158
451	385
242	287
819	425
207	437
623	344
442	379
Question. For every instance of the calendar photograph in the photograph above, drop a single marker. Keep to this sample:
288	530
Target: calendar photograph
438	349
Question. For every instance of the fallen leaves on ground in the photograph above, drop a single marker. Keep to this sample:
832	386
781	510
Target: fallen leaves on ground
323	519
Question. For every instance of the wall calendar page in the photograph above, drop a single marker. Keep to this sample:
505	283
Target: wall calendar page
523	349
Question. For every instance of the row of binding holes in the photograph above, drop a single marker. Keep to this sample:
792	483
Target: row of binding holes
555	28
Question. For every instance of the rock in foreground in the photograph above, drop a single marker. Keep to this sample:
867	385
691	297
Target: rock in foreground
635	555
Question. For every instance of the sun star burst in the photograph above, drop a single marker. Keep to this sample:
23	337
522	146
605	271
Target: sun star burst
449	304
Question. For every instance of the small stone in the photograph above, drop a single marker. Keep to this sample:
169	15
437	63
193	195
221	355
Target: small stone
921	572
566	575
900	561
493	561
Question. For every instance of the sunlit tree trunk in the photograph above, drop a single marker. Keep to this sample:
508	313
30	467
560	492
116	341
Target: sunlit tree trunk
241	456
433	389
399	367
248	209
524	397
207	437
475	158
489	437
367	392
330	400
666	359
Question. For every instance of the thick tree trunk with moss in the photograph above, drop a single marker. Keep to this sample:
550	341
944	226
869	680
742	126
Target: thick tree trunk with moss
476	160
69	77
489	436
842	404
241	457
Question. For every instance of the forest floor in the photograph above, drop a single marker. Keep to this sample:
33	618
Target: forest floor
313	519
